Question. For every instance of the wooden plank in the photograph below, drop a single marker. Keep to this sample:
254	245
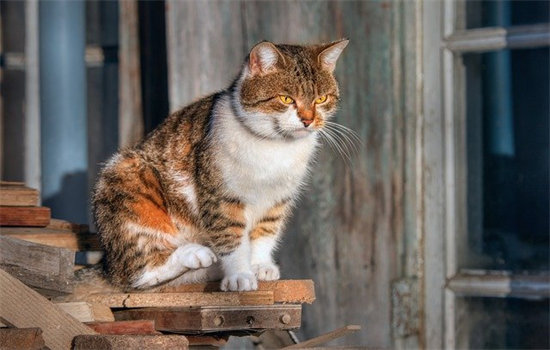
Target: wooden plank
145	342
217	318
284	291
207	340
47	269
18	195
325	338
21	339
55	237
130	107
87	312
127	300
124	327
22	307
25	216
56	224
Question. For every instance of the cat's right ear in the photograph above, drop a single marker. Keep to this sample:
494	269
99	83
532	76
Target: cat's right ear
263	58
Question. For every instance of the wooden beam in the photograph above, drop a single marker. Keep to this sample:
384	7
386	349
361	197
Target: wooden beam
136	327
21	338
284	291
25	216
18	195
130	106
22	307
61	238
144	342
127	300
217	318
325	338
87	312
46	269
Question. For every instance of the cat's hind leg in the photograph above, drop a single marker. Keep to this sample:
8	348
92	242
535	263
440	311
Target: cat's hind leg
187	257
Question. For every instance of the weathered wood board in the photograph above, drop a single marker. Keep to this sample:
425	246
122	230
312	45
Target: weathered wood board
144	342
62	238
18	195
87	312
136	327
217	318
284	291
130	300
25	216
22	307
44	268
21	339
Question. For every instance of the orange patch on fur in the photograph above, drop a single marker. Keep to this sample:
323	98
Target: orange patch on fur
151	215
233	210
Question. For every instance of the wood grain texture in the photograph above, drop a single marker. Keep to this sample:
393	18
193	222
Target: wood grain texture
284	291
325	338
129	300
25	216
136	327
61	238
144	342
217	318
22	307
18	195
44	268
87	312
21	339
348	232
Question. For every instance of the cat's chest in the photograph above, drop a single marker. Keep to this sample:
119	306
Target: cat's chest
261	172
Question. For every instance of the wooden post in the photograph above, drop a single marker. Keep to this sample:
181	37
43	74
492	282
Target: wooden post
130	107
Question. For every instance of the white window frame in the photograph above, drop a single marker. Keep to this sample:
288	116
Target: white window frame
442	167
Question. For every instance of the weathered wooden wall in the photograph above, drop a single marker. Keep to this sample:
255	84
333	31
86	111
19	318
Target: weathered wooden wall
347	232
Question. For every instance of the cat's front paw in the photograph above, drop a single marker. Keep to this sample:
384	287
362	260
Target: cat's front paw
266	271
239	282
196	256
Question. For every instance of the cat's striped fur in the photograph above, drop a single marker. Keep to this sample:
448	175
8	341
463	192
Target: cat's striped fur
206	194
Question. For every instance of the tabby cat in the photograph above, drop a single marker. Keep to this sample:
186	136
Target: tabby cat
206	194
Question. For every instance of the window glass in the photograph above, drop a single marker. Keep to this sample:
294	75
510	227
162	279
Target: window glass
507	137
505	13
499	323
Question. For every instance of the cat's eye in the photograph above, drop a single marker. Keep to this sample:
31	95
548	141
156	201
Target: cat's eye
286	99
321	99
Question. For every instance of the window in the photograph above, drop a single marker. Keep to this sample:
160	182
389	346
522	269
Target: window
486	88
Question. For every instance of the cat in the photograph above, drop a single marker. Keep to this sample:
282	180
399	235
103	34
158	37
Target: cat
205	195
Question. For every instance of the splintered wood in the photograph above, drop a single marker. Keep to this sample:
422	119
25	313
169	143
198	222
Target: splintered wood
47	269
22	307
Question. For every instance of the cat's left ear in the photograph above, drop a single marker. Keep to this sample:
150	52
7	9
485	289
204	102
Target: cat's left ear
264	57
330	53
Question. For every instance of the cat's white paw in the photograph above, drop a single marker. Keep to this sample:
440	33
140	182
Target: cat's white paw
196	256
266	271
239	282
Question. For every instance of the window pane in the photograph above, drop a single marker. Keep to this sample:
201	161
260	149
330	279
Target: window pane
505	13
508	160
498	323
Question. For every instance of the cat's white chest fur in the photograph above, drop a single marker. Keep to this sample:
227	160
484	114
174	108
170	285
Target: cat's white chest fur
261	172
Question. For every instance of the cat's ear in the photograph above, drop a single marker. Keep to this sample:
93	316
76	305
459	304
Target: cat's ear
330	53
264	57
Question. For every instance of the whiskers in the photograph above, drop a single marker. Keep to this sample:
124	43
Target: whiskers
341	139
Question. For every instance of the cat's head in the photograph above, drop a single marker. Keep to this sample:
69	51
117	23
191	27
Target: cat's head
288	91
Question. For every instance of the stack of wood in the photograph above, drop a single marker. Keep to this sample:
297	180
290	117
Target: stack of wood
42	305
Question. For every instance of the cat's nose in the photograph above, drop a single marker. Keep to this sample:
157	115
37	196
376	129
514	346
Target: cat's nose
307	122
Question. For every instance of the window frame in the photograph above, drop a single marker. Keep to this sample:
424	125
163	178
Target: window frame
443	168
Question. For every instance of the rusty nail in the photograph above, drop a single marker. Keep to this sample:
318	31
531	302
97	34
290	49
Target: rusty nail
250	320
285	319
218	321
